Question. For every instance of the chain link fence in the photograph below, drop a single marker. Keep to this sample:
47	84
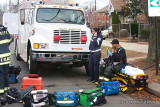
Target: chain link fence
134	32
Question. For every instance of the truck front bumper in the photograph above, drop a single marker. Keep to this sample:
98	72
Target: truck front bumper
60	57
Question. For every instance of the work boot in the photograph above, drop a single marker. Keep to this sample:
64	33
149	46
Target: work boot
6	88
1	91
96	82
106	79
89	79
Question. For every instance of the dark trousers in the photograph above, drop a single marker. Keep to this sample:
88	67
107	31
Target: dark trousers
94	65
4	76
109	70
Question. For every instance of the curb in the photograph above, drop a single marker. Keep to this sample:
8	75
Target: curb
152	91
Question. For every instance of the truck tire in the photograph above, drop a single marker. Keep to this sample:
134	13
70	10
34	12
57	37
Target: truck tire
80	64
86	69
77	64
33	65
18	55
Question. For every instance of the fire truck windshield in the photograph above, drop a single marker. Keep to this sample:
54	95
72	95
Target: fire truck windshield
56	15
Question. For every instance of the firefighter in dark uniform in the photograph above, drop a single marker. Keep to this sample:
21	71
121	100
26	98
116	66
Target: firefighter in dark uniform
5	41
95	55
114	63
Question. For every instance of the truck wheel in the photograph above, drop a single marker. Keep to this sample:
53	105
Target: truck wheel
33	65
17	54
86	69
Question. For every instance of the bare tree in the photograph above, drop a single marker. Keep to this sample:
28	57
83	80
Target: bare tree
2	11
13	7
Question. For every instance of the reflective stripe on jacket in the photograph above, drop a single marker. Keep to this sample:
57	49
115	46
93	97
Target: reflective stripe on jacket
5	41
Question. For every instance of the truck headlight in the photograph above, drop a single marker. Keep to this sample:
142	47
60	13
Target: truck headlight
40	46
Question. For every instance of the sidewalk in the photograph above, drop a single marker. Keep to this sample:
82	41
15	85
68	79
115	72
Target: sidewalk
129	46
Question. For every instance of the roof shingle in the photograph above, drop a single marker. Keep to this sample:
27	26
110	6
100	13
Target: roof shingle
117	4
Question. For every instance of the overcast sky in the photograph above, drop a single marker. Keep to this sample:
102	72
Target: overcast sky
100	3
5	1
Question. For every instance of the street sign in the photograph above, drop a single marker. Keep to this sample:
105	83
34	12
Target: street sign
153	8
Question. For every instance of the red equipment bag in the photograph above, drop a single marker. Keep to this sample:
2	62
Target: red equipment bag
33	75
32	79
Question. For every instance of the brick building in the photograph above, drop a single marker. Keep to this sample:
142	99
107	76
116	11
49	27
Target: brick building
99	20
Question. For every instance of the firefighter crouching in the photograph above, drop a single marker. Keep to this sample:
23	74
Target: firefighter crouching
5	41
114	63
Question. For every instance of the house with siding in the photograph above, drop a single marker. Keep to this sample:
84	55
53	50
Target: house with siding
117	5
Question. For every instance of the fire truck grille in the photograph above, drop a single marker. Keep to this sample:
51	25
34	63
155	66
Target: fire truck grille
69	36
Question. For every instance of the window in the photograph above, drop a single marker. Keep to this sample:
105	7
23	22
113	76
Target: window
22	15
52	15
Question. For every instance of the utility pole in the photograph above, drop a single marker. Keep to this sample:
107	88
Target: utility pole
17	6
90	11
95	5
18	2
10	6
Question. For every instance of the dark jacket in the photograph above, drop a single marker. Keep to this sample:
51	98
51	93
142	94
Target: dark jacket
5	41
119	56
96	42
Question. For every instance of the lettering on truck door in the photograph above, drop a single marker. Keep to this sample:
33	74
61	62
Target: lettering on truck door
28	29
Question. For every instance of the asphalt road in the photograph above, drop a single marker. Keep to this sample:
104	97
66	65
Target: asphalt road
66	79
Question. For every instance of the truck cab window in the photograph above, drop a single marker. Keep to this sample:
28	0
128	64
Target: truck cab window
52	15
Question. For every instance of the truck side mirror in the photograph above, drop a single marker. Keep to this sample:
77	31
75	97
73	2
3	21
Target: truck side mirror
22	22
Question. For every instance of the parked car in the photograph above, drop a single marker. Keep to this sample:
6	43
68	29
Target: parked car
107	31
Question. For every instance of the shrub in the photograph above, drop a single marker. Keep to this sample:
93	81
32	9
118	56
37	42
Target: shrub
115	20
134	28
145	34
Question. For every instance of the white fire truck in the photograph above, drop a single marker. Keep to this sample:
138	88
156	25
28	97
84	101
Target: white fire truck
49	32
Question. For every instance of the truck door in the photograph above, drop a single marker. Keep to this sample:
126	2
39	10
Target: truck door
25	26
28	30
